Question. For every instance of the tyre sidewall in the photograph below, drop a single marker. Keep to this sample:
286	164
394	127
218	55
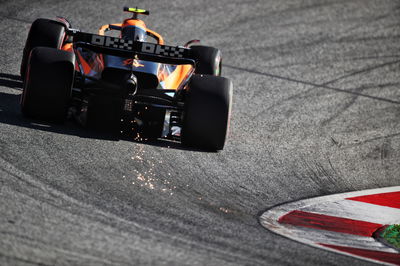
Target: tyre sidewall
207	112
43	33
47	88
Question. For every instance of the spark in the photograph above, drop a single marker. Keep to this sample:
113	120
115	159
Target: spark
225	210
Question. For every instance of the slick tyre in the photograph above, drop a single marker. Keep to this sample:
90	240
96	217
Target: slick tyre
207	112
48	84
209	60
43	32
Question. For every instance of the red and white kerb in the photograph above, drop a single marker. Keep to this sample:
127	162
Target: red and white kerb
343	223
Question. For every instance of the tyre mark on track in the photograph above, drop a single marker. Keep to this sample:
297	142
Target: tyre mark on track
92	213
296	9
37	243
361	71
311	6
352	101
323	175
16	19
389	136
331	61
322	86
369	20
15	258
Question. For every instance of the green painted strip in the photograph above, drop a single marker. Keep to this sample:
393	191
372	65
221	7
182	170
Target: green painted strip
392	235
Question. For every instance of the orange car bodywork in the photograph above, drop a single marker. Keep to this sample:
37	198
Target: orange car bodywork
171	81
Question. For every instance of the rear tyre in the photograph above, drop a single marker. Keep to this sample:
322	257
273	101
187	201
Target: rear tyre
48	84
209	60
207	112
43	32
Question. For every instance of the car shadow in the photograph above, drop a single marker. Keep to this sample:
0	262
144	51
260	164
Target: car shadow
10	81
10	114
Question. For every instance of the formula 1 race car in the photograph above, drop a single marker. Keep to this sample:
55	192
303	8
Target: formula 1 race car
126	81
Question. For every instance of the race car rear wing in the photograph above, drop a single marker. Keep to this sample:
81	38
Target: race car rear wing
166	54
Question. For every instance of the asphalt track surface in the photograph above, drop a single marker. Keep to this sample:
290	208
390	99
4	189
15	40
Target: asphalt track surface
316	111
